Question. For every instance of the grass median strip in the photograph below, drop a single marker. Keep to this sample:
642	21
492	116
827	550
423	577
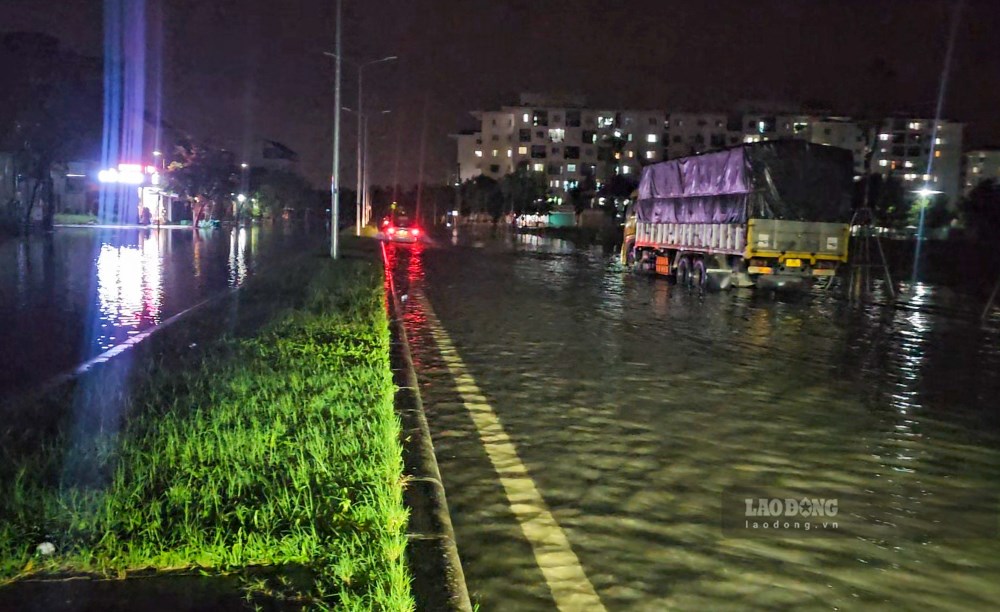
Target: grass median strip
276	448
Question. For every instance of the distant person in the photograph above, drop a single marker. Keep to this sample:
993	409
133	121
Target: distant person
146	216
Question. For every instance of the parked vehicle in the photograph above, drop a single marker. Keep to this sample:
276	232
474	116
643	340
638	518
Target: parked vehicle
769	214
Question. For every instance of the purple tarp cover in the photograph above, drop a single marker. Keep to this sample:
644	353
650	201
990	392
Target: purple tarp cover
790	179
688	190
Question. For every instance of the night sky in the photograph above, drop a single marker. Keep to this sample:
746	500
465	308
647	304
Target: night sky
239	68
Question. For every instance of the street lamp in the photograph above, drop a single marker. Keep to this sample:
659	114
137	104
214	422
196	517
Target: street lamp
364	204
360	197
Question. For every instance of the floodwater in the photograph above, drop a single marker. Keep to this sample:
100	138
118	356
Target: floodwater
637	406
69	296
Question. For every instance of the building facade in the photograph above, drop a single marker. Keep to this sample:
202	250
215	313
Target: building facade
569	141
981	165
908	149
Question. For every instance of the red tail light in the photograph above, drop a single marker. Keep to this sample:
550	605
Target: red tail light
416	232
392	231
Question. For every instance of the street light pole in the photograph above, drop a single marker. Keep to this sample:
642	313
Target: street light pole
335	180
364	181
367	211
360	197
364	198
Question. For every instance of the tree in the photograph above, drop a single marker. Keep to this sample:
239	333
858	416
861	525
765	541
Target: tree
206	176
277	190
523	190
481	195
50	112
980	211
888	202
585	194
936	215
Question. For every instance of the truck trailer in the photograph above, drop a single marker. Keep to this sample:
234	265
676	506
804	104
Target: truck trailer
769	214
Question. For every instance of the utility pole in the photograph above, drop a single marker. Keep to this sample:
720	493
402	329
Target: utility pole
335	180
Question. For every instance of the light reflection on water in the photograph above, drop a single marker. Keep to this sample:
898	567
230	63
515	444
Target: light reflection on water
67	297
129	287
635	405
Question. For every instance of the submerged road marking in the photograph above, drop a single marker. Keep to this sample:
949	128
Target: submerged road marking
570	587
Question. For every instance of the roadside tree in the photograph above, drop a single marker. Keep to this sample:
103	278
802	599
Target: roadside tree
207	177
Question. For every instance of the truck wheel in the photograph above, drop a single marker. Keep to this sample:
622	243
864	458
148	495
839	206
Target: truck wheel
699	276
684	272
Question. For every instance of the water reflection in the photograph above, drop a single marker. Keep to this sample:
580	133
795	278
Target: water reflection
237	256
68	297
129	288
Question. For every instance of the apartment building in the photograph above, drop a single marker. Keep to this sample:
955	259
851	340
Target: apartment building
568	141
981	165
908	149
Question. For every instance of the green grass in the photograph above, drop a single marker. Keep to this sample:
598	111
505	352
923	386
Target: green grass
272	447
73	219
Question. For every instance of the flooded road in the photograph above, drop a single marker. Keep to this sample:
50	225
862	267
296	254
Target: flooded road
635	407
68	296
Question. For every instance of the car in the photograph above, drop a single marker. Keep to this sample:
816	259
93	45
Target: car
402	230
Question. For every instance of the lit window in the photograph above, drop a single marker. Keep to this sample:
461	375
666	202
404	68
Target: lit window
495	152
937	153
510	153
908	164
539	168
522	150
650	137
883	162
938	141
631	154
630	136
883	137
570	167
604	122
914	125
650	154
479	153
927	177
618	133
557	134
626	169
975	170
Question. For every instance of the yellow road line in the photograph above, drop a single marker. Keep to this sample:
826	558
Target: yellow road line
570	587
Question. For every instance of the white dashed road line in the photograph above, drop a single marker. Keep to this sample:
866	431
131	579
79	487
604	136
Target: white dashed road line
570	587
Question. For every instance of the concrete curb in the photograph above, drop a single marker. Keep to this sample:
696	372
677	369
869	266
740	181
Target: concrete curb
438	580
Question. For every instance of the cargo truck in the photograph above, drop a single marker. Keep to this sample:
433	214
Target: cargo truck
770	214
